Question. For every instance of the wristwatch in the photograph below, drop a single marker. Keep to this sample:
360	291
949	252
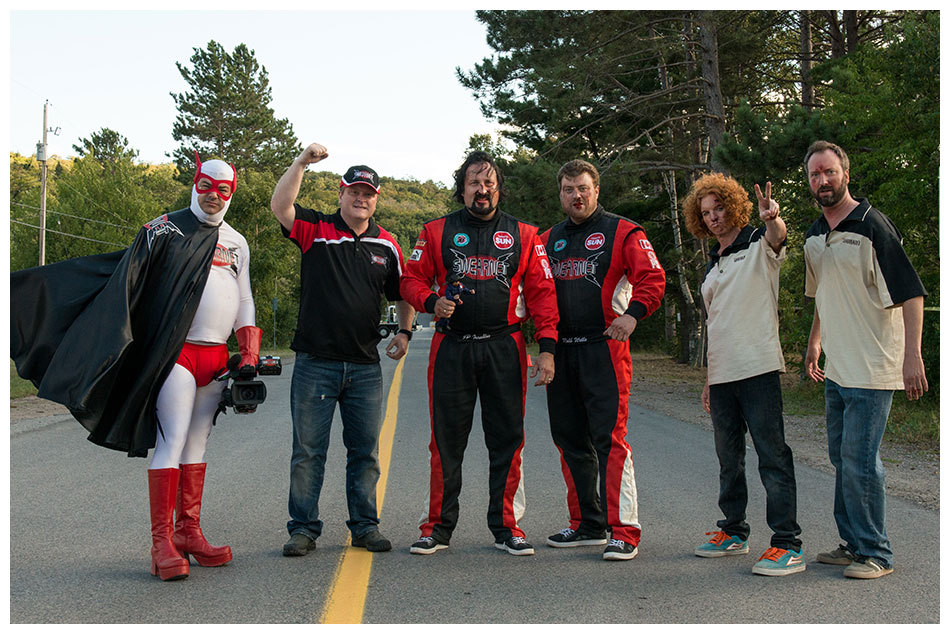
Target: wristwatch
403	331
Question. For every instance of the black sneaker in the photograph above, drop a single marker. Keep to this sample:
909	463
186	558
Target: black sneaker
426	546
515	546
373	541
298	546
569	538
618	549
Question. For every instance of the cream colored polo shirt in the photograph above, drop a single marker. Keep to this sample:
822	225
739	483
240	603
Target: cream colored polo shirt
857	274
740	291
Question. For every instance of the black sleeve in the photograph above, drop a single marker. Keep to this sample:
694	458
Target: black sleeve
301	214
901	278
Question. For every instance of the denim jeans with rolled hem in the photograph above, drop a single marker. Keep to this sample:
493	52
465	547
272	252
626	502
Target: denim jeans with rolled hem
856	418
755	404
318	385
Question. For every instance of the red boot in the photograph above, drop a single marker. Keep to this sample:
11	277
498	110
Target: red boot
188	538
166	562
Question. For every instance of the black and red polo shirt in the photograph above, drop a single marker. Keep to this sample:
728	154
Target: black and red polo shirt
342	277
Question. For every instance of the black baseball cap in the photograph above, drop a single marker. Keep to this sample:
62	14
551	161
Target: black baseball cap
361	174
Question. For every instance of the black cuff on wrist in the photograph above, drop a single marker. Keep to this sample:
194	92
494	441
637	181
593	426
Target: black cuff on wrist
637	310
546	345
403	331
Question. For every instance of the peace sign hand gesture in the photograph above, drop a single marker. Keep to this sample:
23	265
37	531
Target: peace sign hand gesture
768	208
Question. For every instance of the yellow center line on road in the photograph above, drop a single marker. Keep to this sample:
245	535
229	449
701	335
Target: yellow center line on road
347	595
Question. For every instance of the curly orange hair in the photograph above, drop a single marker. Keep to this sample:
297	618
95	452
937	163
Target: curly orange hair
730	193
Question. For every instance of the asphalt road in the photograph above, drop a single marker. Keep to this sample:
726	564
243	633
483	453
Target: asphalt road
79	535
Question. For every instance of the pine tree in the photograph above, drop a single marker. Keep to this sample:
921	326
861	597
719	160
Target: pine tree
106	144
226	113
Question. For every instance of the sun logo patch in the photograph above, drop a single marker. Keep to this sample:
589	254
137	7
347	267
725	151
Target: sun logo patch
595	241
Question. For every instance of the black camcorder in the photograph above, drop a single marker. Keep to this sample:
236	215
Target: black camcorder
244	393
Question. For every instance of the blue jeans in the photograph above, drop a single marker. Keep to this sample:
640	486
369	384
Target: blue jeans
755	404
317	386
856	418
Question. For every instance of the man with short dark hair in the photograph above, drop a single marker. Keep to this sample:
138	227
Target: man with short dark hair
347	262
481	352
608	278
868	320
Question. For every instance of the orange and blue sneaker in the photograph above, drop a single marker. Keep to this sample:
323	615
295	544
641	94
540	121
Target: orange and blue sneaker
722	545
778	562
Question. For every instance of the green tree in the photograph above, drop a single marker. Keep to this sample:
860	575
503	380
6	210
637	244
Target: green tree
106	145
25	211
885	104
99	207
650	97
635	92
405	205
894	157
226	113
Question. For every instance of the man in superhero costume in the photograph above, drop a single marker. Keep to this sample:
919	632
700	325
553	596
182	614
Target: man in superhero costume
130	342
608	278
482	351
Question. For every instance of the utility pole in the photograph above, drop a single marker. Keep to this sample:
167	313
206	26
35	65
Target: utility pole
41	157
274	312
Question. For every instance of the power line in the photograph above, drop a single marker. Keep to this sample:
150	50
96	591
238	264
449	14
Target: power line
63	213
102	222
95	204
63	233
22	205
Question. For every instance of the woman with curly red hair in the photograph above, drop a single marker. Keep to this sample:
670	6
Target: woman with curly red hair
740	293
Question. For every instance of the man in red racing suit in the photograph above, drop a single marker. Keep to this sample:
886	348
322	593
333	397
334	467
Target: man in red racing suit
482	351
608	278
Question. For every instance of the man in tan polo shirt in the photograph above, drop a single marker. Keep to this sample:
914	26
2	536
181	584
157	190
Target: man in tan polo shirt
868	319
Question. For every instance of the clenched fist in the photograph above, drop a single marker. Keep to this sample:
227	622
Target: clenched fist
313	154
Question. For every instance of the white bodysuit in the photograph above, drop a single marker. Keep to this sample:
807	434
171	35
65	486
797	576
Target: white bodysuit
185	411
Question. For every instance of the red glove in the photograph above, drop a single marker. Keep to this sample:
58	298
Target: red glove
249	345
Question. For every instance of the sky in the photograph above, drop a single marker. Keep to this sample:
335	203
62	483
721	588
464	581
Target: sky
374	87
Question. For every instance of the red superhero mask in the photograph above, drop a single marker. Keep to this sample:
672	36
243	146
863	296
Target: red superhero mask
215	182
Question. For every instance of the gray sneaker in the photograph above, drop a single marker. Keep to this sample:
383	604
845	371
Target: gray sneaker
867	568
840	556
298	546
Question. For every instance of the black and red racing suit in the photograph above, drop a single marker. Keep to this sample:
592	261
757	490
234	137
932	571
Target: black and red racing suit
481	353
603	267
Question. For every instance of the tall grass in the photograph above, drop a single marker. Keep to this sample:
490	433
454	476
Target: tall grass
19	387
911	422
